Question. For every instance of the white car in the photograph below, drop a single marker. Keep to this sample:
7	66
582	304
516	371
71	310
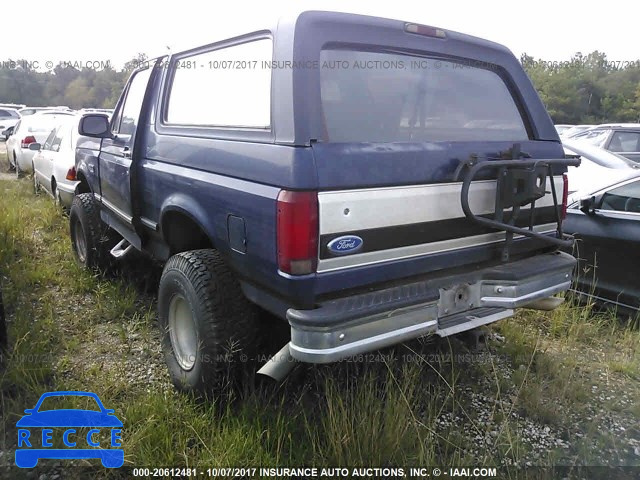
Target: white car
568	133
31	129
598	166
8	118
54	161
25	112
563	127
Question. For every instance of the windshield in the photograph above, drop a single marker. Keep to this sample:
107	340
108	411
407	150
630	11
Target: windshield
45	123
392	97
60	402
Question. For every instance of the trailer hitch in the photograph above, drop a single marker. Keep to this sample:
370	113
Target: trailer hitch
520	182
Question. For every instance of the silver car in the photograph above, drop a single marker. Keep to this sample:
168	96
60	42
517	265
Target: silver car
32	129
54	161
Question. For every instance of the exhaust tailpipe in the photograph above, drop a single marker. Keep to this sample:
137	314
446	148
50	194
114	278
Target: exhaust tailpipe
545	304
279	366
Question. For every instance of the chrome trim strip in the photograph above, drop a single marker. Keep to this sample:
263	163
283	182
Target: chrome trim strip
353	210
149	223
477	322
370	258
619	214
327	355
117	211
515	302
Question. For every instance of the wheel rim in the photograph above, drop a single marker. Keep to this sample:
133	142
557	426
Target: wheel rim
79	240
182	331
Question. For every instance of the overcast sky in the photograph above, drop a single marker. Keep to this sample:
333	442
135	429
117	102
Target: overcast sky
117	31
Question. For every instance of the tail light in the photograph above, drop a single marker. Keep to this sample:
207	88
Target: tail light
26	141
71	174
565	195
297	232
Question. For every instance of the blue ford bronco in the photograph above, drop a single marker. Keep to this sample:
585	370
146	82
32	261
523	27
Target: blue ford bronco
366	180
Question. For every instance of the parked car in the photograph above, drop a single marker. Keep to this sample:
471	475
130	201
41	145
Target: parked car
598	166
606	224
576	129
54	161
560	128
14	106
8	119
621	138
32	129
24	112
347	202
108	111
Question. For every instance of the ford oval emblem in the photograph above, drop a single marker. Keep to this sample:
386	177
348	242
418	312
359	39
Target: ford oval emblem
345	245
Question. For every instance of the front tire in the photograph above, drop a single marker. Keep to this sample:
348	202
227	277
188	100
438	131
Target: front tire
209	327
90	237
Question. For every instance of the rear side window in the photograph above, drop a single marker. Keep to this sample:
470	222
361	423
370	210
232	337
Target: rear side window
7	114
48	144
390	97
228	87
625	142
623	199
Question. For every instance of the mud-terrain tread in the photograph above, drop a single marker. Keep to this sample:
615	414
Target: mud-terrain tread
227	319
86	209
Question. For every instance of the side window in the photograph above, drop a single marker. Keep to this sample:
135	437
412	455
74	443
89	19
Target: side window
127	118
4	114
49	141
623	199
625	142
228	87
57	140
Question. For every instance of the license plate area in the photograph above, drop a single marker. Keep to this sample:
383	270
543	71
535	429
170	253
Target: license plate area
458	298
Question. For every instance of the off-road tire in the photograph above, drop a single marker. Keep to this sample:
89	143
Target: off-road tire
225	322
85	225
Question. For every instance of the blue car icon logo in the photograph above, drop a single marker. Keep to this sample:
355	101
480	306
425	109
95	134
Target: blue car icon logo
36	433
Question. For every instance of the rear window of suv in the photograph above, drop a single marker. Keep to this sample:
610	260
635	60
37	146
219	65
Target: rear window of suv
391	97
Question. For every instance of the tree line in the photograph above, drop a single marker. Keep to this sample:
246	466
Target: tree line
585	89
64	84
588	89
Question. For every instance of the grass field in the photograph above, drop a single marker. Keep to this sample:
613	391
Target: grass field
547	389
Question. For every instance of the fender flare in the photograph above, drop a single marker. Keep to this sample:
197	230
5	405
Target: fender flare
189	207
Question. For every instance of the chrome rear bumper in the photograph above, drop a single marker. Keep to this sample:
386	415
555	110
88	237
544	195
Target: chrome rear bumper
443	306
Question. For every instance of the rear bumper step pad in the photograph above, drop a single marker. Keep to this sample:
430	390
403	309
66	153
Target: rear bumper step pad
444	306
